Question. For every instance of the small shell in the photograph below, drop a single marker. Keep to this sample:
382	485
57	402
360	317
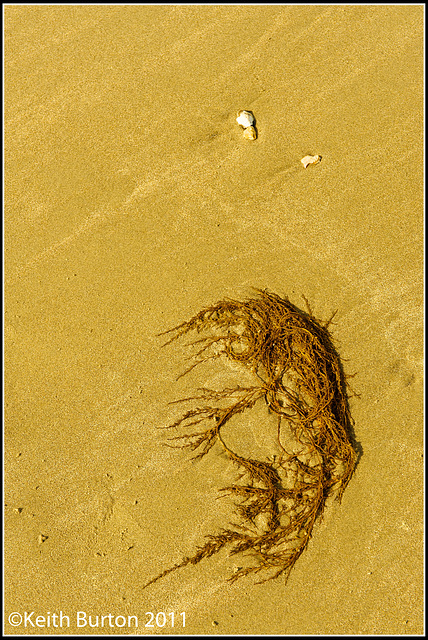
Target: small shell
245	118
250	133
307	160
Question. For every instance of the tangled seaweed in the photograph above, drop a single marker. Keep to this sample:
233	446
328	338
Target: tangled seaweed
299	376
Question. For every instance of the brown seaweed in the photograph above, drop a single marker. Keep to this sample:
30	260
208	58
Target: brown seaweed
298	374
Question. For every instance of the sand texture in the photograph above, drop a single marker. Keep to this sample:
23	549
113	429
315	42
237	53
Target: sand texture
132	201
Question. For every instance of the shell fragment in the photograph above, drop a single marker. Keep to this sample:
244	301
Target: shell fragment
250	133
245	119
307	160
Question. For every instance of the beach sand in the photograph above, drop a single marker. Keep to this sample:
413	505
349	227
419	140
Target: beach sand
131	202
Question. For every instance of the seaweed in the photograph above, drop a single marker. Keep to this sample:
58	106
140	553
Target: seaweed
298	374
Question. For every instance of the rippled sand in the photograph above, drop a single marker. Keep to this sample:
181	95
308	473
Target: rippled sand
132	201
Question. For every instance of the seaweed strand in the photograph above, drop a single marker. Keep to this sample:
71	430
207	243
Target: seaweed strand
299	375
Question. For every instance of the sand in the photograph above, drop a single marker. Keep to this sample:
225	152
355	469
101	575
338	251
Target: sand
131	202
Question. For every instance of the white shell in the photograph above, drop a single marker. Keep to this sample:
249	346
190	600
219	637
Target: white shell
307	160
250	133
245	119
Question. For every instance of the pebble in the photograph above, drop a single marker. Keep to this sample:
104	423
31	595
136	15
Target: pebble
245	119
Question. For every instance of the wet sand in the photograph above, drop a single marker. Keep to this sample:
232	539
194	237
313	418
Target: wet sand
131	202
